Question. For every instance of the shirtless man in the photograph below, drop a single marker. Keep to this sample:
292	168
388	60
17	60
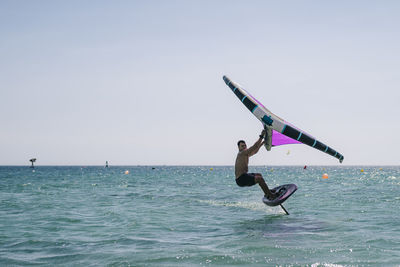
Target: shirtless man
242	167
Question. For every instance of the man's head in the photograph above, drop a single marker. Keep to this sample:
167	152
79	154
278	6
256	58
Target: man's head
241	145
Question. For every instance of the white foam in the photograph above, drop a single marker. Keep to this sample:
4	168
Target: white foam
251	205
326	265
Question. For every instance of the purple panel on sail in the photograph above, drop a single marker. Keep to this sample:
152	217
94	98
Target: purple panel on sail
280	139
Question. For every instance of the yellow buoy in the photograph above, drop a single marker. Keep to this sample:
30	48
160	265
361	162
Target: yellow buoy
325	176
211	169
362	170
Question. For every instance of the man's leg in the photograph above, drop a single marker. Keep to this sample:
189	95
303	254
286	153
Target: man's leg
261	182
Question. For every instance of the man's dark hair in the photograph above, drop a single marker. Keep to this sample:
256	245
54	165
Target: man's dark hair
241	141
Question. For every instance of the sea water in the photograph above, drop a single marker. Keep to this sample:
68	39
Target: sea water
197	216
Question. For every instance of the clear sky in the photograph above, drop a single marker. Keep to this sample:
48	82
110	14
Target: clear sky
140	82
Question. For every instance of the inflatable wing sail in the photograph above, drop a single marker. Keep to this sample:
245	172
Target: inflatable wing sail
282	131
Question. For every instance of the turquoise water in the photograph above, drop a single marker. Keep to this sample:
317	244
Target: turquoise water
197	216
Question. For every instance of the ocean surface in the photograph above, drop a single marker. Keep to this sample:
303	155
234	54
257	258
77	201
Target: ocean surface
197	216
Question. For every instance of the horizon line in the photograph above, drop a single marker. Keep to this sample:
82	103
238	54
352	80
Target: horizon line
192	165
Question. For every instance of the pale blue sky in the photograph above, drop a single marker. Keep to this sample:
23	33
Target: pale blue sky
140	82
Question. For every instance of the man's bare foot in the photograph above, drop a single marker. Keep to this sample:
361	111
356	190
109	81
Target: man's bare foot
272	196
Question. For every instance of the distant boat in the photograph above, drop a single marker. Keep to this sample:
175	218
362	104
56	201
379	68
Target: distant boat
106	164
32	161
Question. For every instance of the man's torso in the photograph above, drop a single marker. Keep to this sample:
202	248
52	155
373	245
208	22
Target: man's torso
242	163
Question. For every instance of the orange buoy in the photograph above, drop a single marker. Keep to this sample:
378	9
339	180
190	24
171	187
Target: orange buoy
325	176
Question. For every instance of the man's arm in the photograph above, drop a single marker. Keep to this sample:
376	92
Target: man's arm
254	148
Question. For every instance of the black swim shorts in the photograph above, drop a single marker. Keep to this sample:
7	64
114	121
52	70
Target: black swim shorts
246	179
